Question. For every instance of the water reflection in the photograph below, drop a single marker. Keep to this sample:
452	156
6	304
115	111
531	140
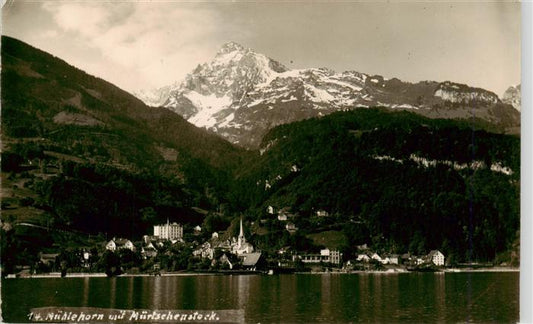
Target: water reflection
411	297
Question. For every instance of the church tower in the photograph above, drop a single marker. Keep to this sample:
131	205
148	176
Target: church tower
241	239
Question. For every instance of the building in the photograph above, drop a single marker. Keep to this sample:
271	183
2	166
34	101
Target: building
251	261
270	210
376	257
240	246
322	213
149	251
205	251
394	259
119	244
48	259
363	258
291	228
436	257
225	261
325	256
168	231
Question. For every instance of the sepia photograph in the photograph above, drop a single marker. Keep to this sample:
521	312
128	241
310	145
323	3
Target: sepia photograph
261	161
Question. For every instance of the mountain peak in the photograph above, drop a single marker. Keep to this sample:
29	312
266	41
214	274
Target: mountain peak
513	96
231	47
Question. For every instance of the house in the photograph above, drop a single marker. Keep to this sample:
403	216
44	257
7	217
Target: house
197	229
362	247
376	257
224	260
363	258
168	231
214	235
291	227
436	257
48	259
284	213
394	259
270	210
205	251
406	258
325	255
251	261
322	213
119	244
149	251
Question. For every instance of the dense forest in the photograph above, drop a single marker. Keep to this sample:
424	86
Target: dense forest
398	181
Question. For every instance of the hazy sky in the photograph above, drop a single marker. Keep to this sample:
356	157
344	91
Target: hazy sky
142	44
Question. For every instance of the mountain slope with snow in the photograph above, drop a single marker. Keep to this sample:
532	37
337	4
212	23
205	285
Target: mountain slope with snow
242	94
513	96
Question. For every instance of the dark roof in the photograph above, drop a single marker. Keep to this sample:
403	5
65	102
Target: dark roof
251	259
121	241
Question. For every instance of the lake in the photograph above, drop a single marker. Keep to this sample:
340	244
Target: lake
297	298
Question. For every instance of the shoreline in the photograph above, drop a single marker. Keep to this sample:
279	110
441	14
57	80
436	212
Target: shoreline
185	274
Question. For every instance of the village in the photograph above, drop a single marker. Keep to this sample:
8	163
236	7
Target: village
167	250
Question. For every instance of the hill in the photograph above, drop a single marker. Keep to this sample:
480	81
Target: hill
396	181
83	156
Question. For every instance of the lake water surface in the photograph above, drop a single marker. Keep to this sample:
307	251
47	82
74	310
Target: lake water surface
299	298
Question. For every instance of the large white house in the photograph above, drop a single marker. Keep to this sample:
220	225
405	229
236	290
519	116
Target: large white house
326	255
436	257
119	244
168	231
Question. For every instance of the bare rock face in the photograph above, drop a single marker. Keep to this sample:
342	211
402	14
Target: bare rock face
242	94
513	96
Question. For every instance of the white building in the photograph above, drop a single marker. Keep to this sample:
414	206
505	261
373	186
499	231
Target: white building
322	213
376	257
119	244
169	231
436	257
363	258
326	256
291	227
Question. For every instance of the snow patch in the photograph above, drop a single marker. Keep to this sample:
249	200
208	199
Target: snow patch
318	95
207	106
344	84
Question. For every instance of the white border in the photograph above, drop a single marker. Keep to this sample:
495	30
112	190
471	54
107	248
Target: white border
526	173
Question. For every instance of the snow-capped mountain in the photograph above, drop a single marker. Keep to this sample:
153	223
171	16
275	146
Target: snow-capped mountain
242	94
513	96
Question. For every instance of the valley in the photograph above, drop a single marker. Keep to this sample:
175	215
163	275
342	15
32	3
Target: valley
397	167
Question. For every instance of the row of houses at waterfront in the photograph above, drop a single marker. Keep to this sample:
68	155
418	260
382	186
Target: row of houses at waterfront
244	250
435	257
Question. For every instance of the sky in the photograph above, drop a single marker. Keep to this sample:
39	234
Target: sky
148	44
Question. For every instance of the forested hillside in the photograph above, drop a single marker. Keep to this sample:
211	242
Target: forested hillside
397	181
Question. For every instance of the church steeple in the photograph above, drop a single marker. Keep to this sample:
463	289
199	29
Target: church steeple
241	239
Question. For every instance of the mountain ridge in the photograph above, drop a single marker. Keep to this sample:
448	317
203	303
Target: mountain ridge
242	94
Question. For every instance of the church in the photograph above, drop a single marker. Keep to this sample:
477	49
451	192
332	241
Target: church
239	246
